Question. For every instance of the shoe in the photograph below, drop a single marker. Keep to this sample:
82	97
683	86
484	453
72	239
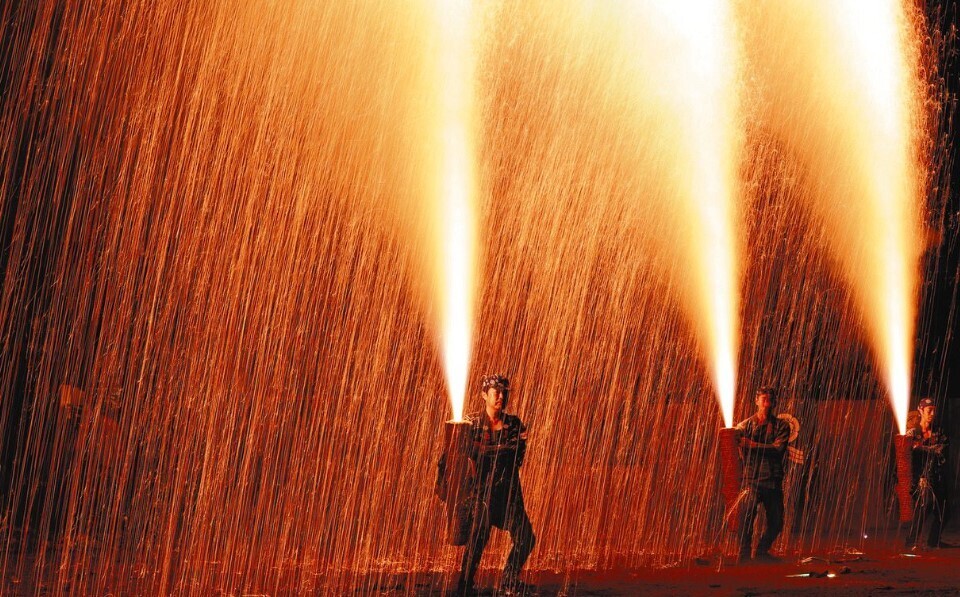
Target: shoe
766	558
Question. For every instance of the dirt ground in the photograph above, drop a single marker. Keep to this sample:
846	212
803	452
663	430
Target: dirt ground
876	569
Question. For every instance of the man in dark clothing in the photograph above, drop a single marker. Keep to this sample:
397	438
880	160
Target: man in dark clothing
928	486
499	444
763	441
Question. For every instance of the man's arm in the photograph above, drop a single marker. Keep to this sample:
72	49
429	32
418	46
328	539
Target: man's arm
516	442
938	447
741	428
521	443
783	436
779	444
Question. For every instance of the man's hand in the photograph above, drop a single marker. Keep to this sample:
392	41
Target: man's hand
749	444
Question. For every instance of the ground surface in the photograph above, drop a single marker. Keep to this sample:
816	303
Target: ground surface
876	569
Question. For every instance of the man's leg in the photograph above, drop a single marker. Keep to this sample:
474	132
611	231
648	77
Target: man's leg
935	511
473	551
746	524
772	500
936	528
919	517
521	533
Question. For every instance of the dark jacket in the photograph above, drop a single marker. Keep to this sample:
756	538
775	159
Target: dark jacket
498	454
929	455
763	466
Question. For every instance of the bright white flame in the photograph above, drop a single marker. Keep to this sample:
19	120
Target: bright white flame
715	192
456	166
879	62
458	299
689	76
845	97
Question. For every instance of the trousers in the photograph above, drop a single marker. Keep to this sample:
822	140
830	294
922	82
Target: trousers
772	501
505	514
928	514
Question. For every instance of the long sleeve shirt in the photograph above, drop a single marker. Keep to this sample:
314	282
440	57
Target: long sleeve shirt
929	455
763	464
498	454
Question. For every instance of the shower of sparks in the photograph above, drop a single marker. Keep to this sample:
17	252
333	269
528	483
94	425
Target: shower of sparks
845	92
217	371
456	168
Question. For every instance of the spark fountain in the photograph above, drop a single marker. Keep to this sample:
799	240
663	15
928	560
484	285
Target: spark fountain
455	172
861	145
690	52
858	133
455	141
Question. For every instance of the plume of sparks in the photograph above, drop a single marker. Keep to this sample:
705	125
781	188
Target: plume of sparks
713	137
689	64
455	167
845	94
